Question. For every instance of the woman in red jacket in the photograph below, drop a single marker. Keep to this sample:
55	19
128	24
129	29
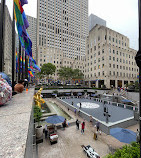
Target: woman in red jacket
82	127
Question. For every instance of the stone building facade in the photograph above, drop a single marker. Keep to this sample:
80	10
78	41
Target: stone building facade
62	28
109	60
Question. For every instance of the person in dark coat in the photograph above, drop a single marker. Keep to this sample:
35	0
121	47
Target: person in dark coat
77	124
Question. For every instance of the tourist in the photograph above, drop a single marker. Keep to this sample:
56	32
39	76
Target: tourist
19	87
80	105
137	136
77	124
97	125
25	83
91	119
75	111
64	123
82	127
46	131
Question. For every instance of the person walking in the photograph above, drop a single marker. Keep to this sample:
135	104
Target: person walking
77	124
97	125
137	136
80	105
82	127
46	131
75	111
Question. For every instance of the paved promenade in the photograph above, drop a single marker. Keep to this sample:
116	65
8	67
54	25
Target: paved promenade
71	139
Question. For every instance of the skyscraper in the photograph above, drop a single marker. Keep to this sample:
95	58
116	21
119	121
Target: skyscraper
32	31
7	42
62	27
93	20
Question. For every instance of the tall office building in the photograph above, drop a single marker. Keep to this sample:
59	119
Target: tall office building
62	28
32	31
93	20
7	43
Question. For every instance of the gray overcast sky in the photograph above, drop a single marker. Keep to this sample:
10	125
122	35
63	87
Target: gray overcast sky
120	15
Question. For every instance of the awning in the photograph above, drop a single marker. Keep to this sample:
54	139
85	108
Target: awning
79	93
126	101
54	94
93	95
67	93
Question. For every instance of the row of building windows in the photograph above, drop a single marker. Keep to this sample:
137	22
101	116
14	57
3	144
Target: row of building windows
113	74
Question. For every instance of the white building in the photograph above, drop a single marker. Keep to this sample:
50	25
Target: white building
8	43
93	20
32	31
109	59
62	28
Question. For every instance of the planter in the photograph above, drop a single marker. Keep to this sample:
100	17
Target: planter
39	131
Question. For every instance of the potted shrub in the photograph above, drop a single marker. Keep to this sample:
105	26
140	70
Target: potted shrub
37	116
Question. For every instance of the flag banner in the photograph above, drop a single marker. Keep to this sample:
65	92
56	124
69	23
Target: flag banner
21	64
22	24
16	62
23	2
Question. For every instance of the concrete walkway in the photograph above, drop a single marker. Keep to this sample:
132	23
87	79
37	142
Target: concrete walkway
71	139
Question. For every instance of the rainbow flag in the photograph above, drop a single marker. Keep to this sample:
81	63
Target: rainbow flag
21	64
16	62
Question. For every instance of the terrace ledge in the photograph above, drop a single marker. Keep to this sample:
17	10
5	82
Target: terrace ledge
14	124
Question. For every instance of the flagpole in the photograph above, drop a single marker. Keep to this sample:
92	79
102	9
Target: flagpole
13	50
26	67
2	35
19	63
22	64
139	12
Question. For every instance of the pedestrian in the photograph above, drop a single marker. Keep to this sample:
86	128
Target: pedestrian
72	103
82	127
75	111
77	124
137	136
80	105
97	125
46	131
64	123
19	87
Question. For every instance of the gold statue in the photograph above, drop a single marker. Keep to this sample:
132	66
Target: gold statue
38	99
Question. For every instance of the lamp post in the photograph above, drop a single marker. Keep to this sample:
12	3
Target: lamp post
138	61
13	49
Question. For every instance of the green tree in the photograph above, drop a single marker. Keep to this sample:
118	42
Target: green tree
127	151
48	69
37	114
65	73
136	85
77	74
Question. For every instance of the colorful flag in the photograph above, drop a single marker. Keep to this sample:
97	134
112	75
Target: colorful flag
22	25
24	2
16	62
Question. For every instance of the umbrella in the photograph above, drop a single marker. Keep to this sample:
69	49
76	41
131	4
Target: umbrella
4	76
126	101
55	119
123	135
5	91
